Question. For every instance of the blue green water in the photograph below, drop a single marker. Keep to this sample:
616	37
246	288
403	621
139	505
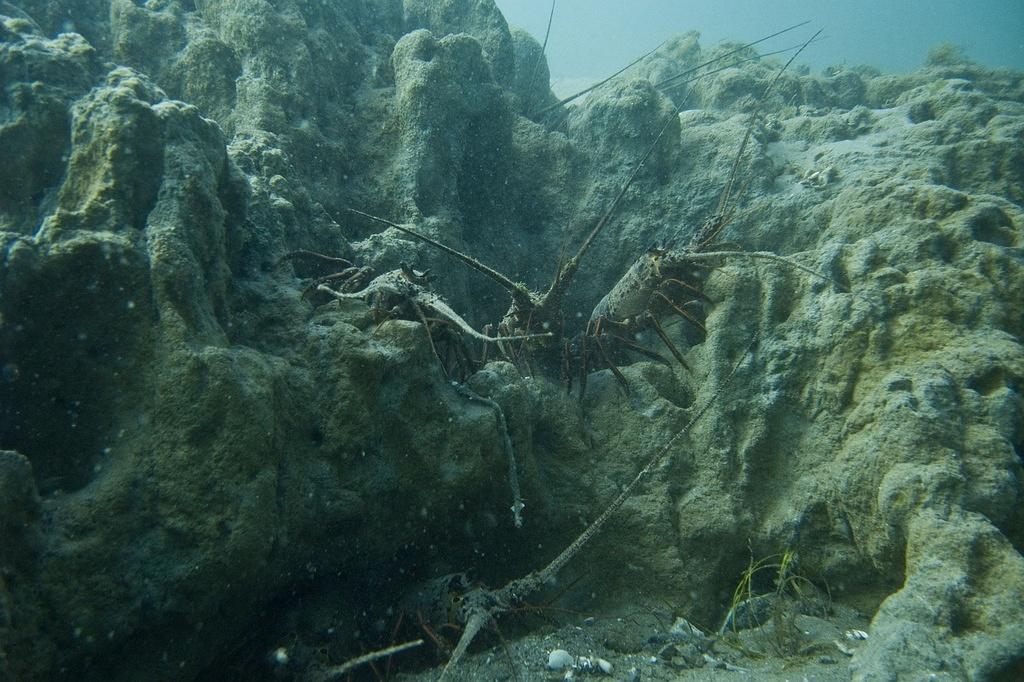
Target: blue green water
594	37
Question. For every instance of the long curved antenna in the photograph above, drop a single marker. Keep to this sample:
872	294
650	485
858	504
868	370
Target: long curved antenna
689	71
543	50
671	83
565	275
595	85
723	201
518	291
769	256
479	607
730	53
335	672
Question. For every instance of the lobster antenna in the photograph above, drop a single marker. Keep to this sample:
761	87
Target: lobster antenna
480	607
567	271
595	86
723	201
741	48
768	256
572	265
518	291
543	50
689	71
670	82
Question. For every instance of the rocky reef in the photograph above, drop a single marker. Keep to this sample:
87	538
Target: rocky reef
208	473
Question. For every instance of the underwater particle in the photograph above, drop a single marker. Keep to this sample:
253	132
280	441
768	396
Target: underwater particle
280	656
10	372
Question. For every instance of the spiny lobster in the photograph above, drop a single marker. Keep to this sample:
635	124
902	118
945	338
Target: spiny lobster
629	307
407	286
640	297
536	318
402	292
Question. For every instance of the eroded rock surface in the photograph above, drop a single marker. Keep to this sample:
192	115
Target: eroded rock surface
187	442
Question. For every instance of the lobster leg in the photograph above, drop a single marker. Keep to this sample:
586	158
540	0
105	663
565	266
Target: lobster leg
611	365
689	287
486	346
637	348
668	342
430	337
464	357
566	366
693	320
584	360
